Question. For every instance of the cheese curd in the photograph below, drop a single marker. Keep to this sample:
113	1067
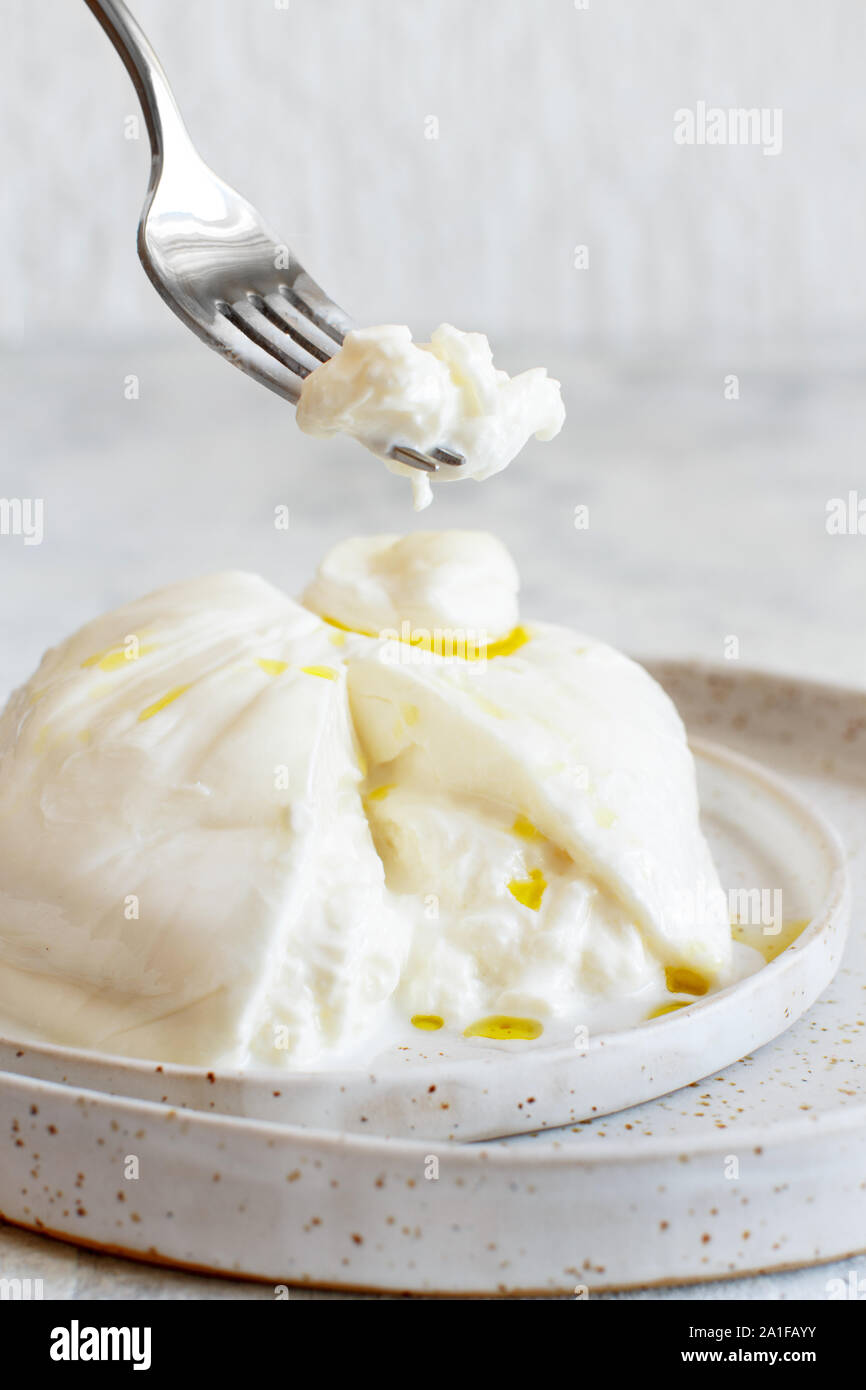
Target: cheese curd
238	829
454	580
383	389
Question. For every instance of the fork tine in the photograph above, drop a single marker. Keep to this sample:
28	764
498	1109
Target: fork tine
310	300
249	330
448	456
402	453
238	350
293	326
428	463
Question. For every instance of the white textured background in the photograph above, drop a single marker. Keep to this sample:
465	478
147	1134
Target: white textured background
555	129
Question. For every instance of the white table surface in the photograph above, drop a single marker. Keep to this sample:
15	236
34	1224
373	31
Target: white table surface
707	521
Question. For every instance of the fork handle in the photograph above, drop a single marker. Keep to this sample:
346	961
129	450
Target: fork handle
160	110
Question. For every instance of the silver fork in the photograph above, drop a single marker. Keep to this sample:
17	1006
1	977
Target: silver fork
214	261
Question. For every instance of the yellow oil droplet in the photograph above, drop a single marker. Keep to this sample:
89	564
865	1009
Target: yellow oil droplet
271	666
529	891
448	645
506	646
525	829
343	627
327	673
115	658
411	714
503	1028
161	704
605	817
337	639
114	661
84	736
428	1023
667	1009
770	946
96	658
680	981
379	793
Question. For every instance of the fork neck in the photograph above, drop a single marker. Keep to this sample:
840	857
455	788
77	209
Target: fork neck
161	112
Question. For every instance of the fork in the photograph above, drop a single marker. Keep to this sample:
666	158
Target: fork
213	260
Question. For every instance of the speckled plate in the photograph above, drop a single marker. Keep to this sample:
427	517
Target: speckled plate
762	1166
768	843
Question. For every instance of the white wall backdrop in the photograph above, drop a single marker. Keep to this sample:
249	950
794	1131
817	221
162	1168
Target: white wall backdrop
555	130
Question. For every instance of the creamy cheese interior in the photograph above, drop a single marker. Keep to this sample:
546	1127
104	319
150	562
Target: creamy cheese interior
239	829
383	389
